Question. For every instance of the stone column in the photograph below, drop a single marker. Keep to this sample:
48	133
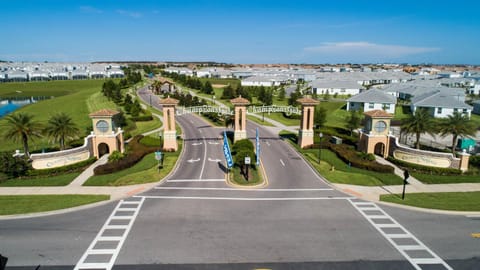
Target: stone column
305	134
169	130
240	123
464	158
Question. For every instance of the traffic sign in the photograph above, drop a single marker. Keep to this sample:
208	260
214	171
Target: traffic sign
247	160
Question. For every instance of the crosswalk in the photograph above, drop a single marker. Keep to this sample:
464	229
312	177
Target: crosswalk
104	249
417	253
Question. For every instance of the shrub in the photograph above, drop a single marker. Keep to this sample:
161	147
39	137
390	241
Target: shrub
136	153
142	118
115	156
240	145
424	169
13	166
474	161
349	155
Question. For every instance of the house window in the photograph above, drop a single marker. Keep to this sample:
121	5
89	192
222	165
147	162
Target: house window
455	110
342	90
386	106
439	110
465	111
371	105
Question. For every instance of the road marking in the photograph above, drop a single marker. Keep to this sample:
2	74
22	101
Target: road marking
200	143
204	160
373	213
267	143
281	161
193	160
124	230
195	180
214	160
213	143
245	199
247	189
476	235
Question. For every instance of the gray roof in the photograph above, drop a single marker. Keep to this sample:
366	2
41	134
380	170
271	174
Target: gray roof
439	99
375	96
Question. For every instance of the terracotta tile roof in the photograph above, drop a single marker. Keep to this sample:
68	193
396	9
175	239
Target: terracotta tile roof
308	101
240	101
378	114
104	112
168	101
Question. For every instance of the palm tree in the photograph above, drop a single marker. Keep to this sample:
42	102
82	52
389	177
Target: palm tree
20	128
60	127
458	125
418	123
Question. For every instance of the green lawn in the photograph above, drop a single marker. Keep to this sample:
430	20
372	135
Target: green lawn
259	121
344	174
58	180
144	171
24	204
336	115
401	112
239	179
446	179
50	88
455	201
73	101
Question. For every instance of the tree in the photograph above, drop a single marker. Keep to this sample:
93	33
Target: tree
320	116
136	108
207	88
326	96
228	92
457	125
418	123
292	101
354	120
281	94
21	128
59	127
13	166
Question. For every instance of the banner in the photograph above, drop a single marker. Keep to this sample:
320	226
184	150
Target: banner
257	144
226	151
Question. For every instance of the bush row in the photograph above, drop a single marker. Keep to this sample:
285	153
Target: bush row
64	169
136	152
424	169
349	155
142	118
474	161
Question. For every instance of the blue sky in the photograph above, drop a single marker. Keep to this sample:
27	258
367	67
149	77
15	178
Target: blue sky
261	31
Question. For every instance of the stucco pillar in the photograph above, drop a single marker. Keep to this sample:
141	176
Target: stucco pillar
240	122
464	158
305	134
169	129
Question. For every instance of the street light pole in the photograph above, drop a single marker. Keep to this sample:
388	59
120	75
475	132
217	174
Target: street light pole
320	147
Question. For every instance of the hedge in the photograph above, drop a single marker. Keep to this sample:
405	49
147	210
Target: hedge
474	161
136	152
142	118
425	169
349	155
64	169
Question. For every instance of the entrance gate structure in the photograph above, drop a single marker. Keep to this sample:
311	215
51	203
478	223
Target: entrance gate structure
241	107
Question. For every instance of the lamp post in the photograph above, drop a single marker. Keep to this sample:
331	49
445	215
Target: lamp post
320	147
213	100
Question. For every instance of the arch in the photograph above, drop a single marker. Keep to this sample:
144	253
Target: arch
379	149
103	149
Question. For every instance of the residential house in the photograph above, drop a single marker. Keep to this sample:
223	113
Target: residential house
372	99
440	104
333	87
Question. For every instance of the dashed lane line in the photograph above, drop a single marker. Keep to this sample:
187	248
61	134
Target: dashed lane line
416	252
281	161
104	249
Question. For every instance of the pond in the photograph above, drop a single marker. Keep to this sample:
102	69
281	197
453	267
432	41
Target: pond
8	105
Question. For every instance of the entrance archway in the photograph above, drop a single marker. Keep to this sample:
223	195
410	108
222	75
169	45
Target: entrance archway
103	149
379	149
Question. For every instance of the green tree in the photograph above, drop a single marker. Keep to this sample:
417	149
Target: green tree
292	101
354	119
320	116
207	88
458	125
326	96
20	128
418	123
228	92
13	166
281	94
60	127
136	108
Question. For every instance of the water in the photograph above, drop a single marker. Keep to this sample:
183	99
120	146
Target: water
8	105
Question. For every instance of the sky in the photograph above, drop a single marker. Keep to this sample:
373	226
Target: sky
244	31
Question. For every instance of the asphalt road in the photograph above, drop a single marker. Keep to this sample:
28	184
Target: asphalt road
194	220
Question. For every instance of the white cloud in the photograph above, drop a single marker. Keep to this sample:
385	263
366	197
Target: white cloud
133	14
367	49
90	9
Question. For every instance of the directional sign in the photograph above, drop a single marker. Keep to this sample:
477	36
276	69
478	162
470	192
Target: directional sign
193	160
200	143
247	160
226	151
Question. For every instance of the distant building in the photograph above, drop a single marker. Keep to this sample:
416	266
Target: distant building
322	87
440	104
370	100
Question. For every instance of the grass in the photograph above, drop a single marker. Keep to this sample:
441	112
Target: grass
73	98
402	112
446	179
24	204
50	181
144	126
259	121
238	178
144	171
455	201
344	174
233	82
336	115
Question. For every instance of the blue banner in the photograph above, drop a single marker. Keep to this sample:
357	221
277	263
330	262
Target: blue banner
226	151
257	144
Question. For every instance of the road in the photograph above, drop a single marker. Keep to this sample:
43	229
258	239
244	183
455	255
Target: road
195	220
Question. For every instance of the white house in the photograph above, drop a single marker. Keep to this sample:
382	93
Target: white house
264	81
203	73
372	99
321	87
440	104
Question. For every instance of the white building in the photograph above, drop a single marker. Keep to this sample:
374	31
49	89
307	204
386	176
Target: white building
372	99
264	81
322	87
440	104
